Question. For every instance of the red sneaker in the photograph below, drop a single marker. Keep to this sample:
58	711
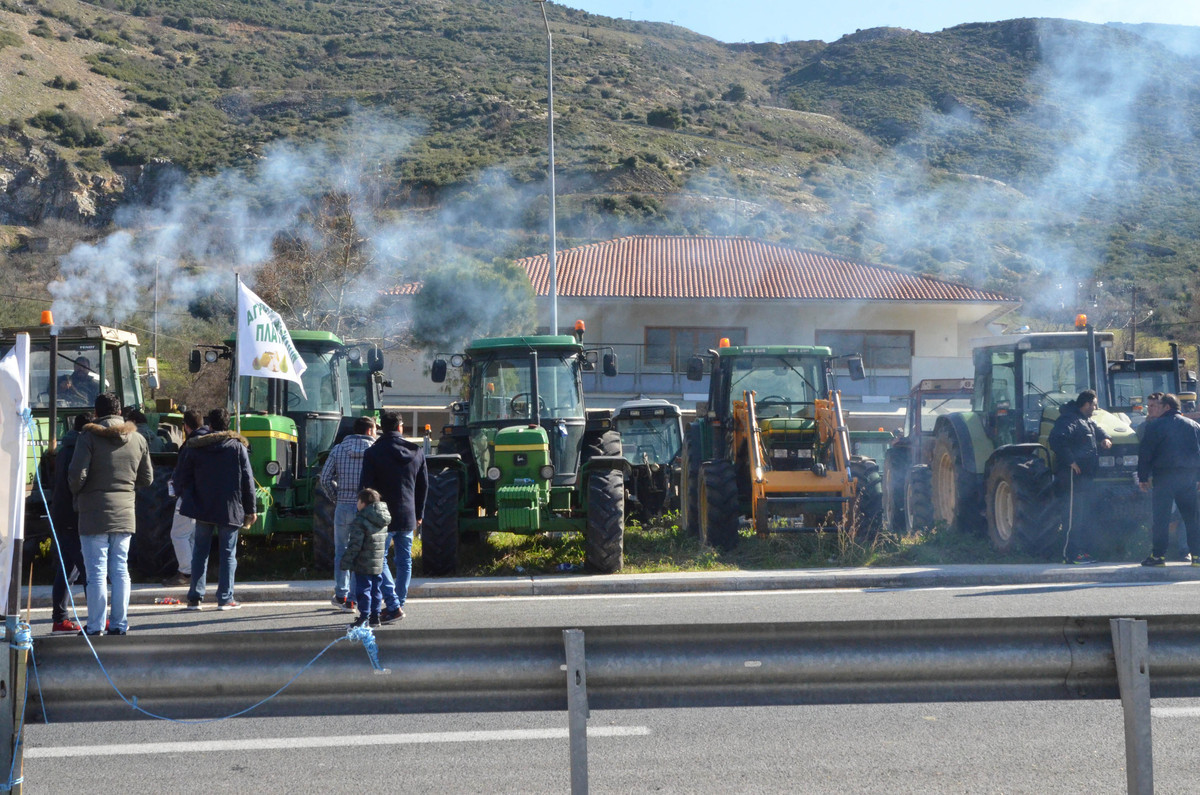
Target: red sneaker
66	627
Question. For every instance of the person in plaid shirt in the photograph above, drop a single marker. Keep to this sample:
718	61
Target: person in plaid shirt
339	481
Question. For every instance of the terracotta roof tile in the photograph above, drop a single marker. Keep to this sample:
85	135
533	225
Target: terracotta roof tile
732	267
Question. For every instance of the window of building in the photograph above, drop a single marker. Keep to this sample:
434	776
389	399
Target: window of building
881	350
673	346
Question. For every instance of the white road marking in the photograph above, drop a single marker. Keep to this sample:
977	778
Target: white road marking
1175	712
288	743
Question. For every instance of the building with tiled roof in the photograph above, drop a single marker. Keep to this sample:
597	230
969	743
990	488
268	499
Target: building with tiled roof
659	299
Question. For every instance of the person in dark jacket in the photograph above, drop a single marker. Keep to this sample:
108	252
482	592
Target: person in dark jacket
216	488
110	463
1169	462
1076	442
366	555
66	531
395	467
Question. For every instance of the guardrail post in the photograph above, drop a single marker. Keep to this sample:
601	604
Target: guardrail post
577	709
1131	649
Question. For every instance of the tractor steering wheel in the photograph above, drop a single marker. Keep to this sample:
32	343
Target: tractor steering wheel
771	399
516	399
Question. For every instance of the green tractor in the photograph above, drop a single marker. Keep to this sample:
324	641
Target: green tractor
523	455
992	466
290	433
68	366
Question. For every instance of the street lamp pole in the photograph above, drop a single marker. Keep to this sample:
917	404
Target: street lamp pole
550	118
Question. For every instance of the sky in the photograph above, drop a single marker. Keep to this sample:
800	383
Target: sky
791	20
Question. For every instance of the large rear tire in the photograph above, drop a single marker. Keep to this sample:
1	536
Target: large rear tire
918	499
151	554
439	526
689	482
1022	509
868	498
895	475
718	501
956	494
324	549
604	537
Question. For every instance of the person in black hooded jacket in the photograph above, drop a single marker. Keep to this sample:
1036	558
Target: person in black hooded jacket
395	467
216	488
66	530
1077	442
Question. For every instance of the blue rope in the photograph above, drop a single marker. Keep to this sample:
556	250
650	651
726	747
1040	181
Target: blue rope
363	634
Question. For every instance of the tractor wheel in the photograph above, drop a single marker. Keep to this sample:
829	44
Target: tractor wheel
956	497
1022	510
868	498
689	483
439	528
324	549
151	555
718	503
895	473
606	443
918	499
604	538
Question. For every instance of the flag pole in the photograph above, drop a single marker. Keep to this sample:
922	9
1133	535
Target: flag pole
237	370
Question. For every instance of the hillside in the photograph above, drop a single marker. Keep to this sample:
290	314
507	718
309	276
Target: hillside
1048	159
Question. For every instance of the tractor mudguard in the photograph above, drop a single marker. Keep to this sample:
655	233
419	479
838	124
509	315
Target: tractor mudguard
967	429
604	463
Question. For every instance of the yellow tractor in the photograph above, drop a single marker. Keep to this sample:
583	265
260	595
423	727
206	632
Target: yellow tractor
775	453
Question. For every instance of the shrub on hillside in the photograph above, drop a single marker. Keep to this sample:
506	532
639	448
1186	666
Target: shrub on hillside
68	128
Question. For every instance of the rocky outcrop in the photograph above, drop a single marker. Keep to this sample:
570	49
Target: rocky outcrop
39	183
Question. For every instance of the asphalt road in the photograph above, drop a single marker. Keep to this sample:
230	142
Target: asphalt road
1033	747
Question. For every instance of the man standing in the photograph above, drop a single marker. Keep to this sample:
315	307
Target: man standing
110	463
395	467
216	488
1076	442
339	480
183	529
66	530
1169	461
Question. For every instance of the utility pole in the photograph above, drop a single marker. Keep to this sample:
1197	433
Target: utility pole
1133	323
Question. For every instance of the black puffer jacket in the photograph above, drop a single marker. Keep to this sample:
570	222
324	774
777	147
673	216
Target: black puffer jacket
213	478
1170	442
1076	440
62	502
366	546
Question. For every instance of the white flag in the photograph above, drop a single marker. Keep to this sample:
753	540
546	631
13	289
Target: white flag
14	391
264	347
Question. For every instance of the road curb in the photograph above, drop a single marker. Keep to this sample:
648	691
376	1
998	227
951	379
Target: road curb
956	576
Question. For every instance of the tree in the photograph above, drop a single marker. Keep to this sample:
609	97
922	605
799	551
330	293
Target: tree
736	93
667	118
467	298
317	277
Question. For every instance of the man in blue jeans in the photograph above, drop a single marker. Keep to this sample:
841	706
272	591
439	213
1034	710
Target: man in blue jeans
111	461
395	467
339	480
216	488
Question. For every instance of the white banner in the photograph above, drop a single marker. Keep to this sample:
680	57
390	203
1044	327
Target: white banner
264	347
14	447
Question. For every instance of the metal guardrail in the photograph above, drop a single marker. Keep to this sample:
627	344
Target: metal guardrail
629	667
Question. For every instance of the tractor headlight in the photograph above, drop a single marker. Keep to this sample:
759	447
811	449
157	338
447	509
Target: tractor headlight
547	472
1129	460
273	468
493	473
1107	460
